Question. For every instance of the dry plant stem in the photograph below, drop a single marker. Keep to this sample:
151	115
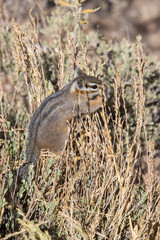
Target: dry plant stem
60	63
84	56
25	55
126	117
75	36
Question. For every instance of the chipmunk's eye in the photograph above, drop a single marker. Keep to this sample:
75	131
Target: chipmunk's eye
91	86
94	86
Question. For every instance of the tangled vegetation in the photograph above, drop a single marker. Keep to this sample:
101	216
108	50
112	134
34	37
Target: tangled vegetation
99	188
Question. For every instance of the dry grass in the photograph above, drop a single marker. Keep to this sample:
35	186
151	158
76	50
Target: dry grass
96	189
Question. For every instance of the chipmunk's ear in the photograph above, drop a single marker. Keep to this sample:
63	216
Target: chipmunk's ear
78	72
76	85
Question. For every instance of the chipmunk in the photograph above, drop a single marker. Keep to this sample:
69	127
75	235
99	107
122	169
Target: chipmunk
49	128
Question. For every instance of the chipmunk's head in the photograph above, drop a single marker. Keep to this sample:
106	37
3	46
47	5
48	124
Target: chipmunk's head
89	92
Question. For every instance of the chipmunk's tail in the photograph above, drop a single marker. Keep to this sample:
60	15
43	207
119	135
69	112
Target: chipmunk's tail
32	157
32	152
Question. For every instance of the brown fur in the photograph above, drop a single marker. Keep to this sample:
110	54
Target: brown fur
48	128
